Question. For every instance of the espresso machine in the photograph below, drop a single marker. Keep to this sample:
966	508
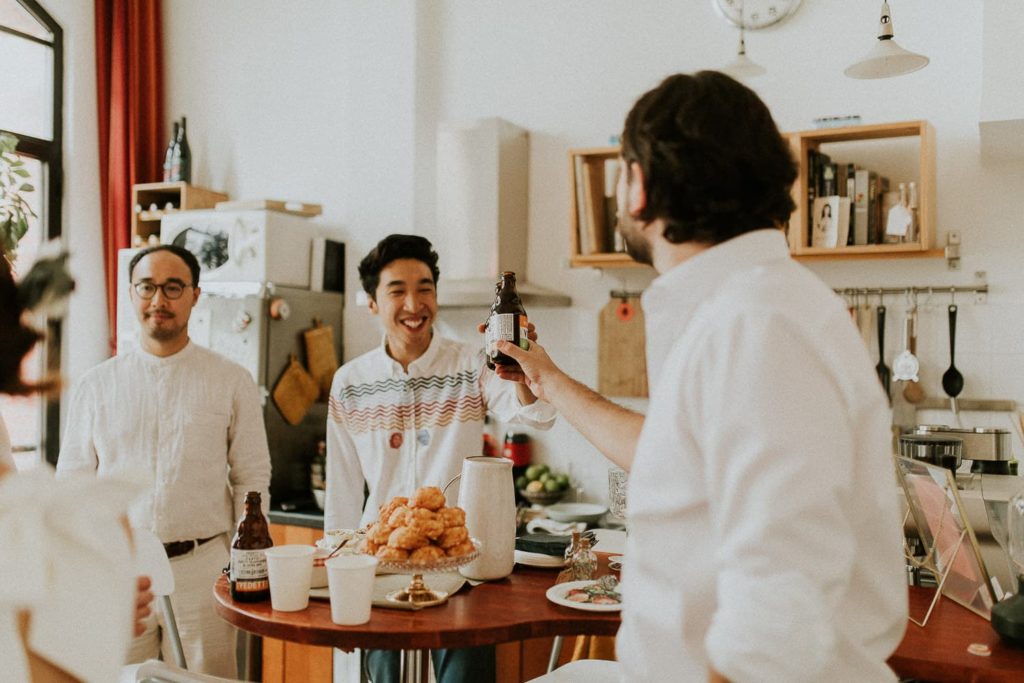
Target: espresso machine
984	488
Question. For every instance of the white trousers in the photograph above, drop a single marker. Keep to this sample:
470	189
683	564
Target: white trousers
208	641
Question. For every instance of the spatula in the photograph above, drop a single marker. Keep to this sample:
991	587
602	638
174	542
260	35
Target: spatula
882	369
913	392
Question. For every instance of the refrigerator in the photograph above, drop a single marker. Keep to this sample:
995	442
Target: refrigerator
258	324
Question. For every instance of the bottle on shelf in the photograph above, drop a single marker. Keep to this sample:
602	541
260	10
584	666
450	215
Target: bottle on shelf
912	235
181	156
507	321
248	570
169	154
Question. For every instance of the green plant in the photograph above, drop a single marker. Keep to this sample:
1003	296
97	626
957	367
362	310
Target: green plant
14	210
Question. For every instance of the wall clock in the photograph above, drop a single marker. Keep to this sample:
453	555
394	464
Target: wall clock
755	14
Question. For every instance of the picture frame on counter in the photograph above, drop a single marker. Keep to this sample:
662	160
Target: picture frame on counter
952	551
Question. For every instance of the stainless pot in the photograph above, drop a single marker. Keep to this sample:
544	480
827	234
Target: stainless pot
942	450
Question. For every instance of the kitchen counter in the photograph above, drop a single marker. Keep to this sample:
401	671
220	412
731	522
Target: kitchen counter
311	518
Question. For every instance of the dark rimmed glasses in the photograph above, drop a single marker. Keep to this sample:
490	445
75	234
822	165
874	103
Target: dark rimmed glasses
171	290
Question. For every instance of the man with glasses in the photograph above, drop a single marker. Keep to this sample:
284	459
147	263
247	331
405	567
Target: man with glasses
189	421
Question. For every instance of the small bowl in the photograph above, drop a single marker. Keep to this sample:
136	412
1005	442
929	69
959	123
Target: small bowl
319	495
542	497
577	512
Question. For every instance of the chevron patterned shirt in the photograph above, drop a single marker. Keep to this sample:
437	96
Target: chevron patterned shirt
397	431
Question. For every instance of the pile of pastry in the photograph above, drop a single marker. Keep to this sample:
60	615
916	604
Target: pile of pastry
418	529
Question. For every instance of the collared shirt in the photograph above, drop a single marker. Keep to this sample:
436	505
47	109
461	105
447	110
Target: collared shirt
190	424
399	430
765	538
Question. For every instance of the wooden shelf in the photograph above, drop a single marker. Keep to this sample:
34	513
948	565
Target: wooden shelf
922	165
181	195
846	139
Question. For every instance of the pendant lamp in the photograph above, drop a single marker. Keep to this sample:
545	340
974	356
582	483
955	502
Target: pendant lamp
743	66
886	58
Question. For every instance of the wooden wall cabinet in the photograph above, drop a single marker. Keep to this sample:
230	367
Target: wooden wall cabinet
884	147
850	144
180	195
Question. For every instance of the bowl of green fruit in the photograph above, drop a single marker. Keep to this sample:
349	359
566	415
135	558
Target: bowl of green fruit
541	486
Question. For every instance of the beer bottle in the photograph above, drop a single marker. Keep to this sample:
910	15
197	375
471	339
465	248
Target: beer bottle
507	321
248	574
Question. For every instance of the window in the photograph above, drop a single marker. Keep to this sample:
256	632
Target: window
31	50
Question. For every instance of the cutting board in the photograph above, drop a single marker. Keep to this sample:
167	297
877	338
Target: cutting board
621	363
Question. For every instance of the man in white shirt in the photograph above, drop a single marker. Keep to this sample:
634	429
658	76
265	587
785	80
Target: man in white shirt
189	420
764	536
407	413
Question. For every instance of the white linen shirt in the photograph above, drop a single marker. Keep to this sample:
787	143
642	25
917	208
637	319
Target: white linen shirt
189	425
764	534
399	430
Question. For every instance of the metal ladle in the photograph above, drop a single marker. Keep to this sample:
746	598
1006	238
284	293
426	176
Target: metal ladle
952	380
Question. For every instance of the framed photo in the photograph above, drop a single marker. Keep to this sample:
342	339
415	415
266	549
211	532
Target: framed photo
831	223
949	541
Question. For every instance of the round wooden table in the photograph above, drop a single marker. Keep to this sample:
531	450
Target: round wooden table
514	608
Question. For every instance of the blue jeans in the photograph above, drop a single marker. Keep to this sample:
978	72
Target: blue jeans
464	665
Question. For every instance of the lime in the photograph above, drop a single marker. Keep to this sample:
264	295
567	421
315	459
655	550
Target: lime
551	485
546	477
533	472
521	483
563	481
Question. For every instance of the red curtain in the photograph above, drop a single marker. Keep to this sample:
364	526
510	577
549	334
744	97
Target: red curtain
129	86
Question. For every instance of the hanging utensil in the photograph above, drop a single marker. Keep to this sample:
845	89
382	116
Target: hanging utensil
905	365
882	369
952	380
913	392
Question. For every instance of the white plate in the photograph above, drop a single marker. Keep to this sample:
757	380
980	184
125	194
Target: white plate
538	559
556	594
576	512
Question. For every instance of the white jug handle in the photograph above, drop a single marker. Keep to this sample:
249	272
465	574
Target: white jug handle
454	479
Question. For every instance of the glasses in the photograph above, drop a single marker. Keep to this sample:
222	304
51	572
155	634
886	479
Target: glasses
171	290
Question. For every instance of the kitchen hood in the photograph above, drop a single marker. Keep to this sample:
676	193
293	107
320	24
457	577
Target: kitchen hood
482	195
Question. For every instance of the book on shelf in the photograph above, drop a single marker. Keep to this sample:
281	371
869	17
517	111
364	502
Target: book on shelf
593	199
878	187
581	211
611	209
861	225
851	192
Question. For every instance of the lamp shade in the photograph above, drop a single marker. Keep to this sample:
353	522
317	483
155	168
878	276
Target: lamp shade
886	59
743	67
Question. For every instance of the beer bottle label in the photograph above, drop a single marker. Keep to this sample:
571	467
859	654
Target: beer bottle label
249	570
502	327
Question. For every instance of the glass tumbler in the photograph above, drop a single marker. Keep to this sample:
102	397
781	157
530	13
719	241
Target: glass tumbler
617	479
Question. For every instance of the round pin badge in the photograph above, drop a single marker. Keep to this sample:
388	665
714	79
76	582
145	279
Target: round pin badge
423	437
396	440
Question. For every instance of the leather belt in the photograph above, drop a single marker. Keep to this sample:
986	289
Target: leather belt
177	548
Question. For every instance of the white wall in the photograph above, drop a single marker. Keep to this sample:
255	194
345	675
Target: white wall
337	102
85	328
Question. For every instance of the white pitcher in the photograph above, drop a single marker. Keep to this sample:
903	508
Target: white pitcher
486	494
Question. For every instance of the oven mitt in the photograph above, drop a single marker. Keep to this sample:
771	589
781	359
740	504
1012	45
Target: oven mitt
320	355
548	544
295	392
